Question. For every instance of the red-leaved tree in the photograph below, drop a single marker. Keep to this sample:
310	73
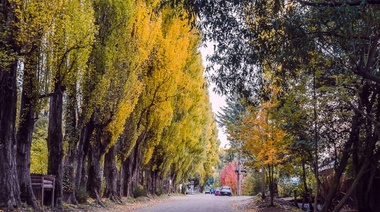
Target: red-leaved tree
228	176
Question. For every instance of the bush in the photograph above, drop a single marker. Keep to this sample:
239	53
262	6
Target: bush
140	191
160	190
82	195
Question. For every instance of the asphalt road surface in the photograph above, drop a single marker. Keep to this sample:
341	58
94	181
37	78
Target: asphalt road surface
200	203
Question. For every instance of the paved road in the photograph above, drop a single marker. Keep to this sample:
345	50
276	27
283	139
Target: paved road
199	203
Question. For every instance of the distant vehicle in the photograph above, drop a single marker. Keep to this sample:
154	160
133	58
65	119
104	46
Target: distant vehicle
217	192
212	191
207	191
225	191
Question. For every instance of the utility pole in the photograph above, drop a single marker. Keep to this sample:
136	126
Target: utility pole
239	171
238	177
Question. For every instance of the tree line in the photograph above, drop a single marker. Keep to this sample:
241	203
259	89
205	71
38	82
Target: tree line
122	88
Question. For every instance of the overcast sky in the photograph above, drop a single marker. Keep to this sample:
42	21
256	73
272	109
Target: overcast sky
216	101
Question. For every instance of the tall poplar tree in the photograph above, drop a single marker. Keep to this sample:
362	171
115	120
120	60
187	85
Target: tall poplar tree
10	191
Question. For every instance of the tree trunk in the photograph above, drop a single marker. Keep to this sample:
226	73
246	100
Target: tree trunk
151	181
137	164
94	180
271	184
370	153
263	189
71	136
343	163
127	178
120	185
365	175
110	174
81	171
54	141
29	98
68	185
358	178
10	191
9	186
362	190
307	193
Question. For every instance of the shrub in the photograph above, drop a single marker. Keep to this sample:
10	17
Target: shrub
140	191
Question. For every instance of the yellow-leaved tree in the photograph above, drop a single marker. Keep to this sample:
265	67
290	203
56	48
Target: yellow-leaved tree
263	138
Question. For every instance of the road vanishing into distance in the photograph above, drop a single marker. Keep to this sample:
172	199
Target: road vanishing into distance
200	203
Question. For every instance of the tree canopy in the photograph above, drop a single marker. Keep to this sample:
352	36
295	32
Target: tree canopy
101	94
324	58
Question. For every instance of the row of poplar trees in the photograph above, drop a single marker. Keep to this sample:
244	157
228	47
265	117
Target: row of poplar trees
122	84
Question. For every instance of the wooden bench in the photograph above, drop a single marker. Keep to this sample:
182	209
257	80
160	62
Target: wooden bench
42	183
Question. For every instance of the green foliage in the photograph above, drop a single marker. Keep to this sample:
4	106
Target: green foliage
39	150
323	58
68	182
81	195
140	191
210	181
286	187
128	70
160	190
252	184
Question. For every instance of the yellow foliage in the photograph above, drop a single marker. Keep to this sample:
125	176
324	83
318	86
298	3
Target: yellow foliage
262	135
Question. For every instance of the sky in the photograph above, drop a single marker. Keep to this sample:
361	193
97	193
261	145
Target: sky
216	100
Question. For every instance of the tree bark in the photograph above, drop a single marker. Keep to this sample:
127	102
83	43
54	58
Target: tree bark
263	189
71	136
111	175
54	141
365	147
127	177
29	99
94	180
9	185
271	184
132	168
68	195
358	177
10	191
81	171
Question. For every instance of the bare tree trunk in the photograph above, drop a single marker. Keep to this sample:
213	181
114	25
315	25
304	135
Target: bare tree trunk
94	172
271	184
371	153
110	174
83	148
29	99
10	190
136	167
71	137
54	141
127	179
358	177
263	189
9	186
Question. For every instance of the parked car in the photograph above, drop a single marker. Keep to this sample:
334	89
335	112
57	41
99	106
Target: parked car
207	191
225	191
217	192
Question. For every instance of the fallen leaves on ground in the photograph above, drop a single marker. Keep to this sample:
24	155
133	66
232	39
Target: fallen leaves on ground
127	205
259	205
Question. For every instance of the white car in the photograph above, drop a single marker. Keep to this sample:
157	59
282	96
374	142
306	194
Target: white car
225	191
